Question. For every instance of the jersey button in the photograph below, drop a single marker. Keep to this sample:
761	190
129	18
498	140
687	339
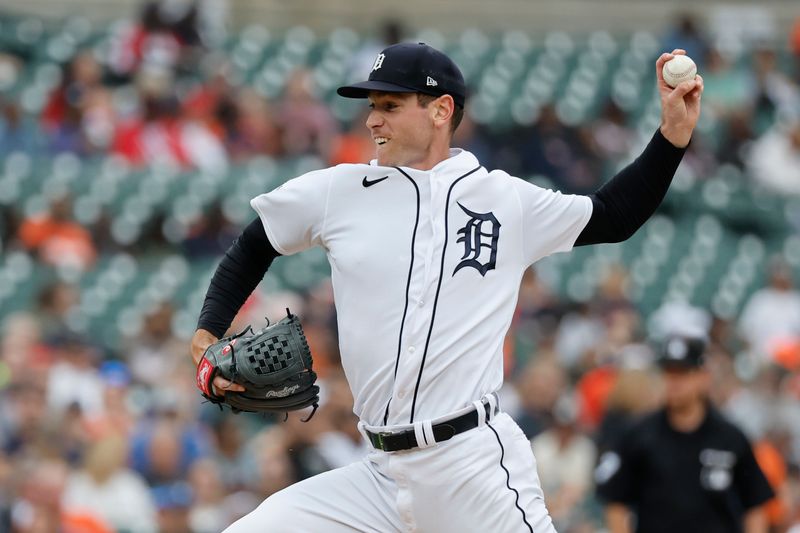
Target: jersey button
401	394
420	303
411	349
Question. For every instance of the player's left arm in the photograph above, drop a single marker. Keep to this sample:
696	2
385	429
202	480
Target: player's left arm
236	277
623	205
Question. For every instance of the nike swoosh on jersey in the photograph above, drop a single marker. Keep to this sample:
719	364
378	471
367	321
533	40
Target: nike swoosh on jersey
366	183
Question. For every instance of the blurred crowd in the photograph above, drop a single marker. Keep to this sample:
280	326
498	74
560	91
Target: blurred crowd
102	439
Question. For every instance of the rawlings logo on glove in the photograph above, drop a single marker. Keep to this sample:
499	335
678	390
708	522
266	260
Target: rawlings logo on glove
273	365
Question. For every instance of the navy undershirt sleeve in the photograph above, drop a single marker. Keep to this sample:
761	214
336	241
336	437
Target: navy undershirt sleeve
236	277
625	202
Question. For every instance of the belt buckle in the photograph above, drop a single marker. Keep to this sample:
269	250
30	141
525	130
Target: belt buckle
381	435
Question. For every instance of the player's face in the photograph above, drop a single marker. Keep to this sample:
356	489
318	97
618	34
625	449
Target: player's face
684	387
402	130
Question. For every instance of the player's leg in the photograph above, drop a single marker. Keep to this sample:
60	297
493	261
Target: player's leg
354	498
486	480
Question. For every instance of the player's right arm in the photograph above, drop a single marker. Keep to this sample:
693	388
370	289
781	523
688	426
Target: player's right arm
622	205
618	518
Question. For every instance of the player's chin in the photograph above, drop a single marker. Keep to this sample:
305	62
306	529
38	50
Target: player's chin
386	158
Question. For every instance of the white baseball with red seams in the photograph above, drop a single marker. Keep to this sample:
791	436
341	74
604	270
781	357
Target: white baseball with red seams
679	69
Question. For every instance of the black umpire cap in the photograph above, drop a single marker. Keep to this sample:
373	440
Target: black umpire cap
682	352
411	68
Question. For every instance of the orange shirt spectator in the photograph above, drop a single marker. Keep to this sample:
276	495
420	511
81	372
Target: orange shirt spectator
774	468
57	238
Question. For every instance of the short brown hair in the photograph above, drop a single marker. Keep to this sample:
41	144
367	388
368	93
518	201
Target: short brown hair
458	111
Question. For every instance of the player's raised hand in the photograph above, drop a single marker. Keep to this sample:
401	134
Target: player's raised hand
680	107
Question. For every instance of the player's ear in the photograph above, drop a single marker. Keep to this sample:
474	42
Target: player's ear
442	109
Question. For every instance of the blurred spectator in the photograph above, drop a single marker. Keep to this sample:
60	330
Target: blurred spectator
551	148
579	332
54	302
155	352
341	444
772	313
776	92
354	145
773	465
73	378
239	116
686	33
23	418
474	138
736	139
634	393
174	502
307	124
727	88
211	235
21	346
775	157
17	132
57	238
106	488
794	40
565	460
164	448
148	43
251	127
207	513
538	386
117	418
271	469
78	116
38	508
160	135
228	452
593	390
6	492
612	137
678	317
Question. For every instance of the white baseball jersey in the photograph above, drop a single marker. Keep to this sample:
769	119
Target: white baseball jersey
426	267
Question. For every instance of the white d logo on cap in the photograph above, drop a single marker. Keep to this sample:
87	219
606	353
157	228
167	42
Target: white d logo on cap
378	62
677	349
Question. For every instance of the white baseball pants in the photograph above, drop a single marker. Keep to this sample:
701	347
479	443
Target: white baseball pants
483	480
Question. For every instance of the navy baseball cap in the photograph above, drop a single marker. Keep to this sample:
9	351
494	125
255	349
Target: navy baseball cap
411	68
682	352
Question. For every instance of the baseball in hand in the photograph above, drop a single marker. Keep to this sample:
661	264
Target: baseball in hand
679	69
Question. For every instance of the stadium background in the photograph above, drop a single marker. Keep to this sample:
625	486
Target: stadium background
133	135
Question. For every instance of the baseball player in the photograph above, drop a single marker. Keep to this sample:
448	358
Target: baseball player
427	249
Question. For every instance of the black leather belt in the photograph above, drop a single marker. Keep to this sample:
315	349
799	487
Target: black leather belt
406	440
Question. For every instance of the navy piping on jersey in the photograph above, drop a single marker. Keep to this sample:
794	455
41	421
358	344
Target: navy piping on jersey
408	287
438	288
508	478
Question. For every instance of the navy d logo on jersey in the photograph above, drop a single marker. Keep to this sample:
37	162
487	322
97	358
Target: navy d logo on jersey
479	235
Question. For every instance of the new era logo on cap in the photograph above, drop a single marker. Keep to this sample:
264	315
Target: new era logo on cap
411	68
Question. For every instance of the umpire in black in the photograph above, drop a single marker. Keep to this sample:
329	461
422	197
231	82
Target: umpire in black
683	468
